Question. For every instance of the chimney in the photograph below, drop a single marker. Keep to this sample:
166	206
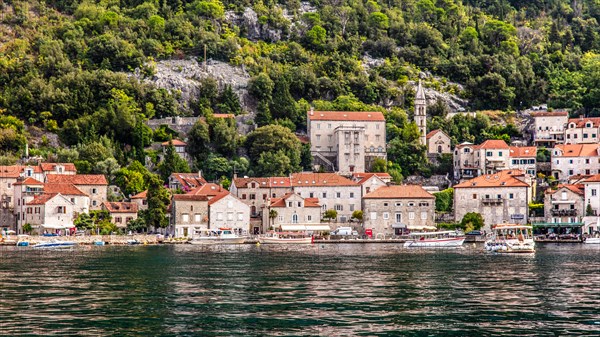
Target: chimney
312	110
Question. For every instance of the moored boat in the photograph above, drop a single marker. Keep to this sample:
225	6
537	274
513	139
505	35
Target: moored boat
511	239
286	238
54	244
440	239
221	236
590	241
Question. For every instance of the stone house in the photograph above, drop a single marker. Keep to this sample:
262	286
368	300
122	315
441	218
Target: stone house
58	168
549	127
121	212
564	204
346	141
369	182
390	210
582	130
94	185
333	191
186	181
438	142
141	199
80	200
486	158
575	159
256	192
180	148
291	209
523	158
500	197
49	212
189	214
225	210
25	190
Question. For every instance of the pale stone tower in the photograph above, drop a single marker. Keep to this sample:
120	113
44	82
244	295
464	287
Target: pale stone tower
421	113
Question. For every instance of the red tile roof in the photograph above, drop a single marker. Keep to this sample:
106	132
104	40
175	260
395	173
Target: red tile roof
52	166
505	178
269	182
141	195
208	189
593	179
370	116
176	142
121	207
77	179
223	115
308	202
578	189
400	192
493	144
581	121
189	180
218	197
435	132
361	178
29	181
64	189
320	179
559	113
523	151
578	150
189	197
14	171
42	199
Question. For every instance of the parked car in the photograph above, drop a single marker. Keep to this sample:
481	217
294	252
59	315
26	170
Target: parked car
343	231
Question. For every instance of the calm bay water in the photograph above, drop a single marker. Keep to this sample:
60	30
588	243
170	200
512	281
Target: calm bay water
319	290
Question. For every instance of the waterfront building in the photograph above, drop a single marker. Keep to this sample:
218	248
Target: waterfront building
186	181
121	212
256	192
575	159
25	190
48	211
390	210
225	210
141	199
189	213
438	142
94	185
80	200
291	209
549	127
564	204
369	182
500	197
346	141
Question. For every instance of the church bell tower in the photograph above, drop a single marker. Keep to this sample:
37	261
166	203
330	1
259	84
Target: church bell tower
421	114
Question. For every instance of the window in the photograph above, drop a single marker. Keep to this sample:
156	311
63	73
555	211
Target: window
587	161
252	196
338	194
500	153
411	215
219	215
585	135
593	192
289	204
423	215
398	217
118	219
197	217
318	137
185	217
373	216
29	210
127	219
324	194
94	191
351	207
351	195
570	172
329	126
318	125
511	195
294	218
265	196
229	215
377	126
73	200
280	218
386	216
570	161
240	216
385	204
488	154
243	197
339	207
398	204
192	208
377	137
311	195
411	204
253	185
309	218
515	162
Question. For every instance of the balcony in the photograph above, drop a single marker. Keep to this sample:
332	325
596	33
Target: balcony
564	212
492	201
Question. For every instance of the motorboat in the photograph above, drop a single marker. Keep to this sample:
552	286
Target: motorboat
286	238
439	239
133	242
591	241
54	244
511	239
221	236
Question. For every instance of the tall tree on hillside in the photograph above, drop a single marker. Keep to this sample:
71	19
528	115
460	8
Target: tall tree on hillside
158	201
171	163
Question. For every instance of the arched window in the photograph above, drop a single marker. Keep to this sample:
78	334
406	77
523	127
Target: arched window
439	149
295	218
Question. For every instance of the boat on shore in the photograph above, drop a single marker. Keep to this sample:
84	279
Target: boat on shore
511	239
592	241
222	236
440	239
54	244
286	238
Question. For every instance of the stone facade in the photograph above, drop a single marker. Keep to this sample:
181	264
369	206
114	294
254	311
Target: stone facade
189	213
575	159
391	210
549	127
438	142
582	130
564	204
121	212
500	197
49	209
346	141
369	182
291	209
94	185
420	115
141	199
226	210
256	192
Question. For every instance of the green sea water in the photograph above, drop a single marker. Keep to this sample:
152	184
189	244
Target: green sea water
316	290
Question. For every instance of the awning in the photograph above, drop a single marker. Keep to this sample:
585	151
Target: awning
558	224
50	226
398	225
421	227
314	228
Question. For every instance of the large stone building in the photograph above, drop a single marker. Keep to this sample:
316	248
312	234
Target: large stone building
186	181
256	192
564	204
291	209
369	182
549	127
500	197
582	130
346	141
121	212
392	209
438	142
575	159
49	212
94	185
523	158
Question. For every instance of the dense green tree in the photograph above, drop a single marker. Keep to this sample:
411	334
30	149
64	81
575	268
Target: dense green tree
274	144
158	201
172	163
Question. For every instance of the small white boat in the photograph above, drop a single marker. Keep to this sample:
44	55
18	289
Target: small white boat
223	236
591	241
286	238
54	244
511	239
441	239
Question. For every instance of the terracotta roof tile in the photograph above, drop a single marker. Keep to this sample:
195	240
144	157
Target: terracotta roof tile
269	182
189	180
121	207
523	151
42	199
559	113
29	181
77	179
361	178
52	166
218	197
580	122
320	179
435	132
493	144
208	189
64	189
593	179
308	202
400	192
373	116
578	150
223	115
189	197
579	189
505	178
141	195
176	142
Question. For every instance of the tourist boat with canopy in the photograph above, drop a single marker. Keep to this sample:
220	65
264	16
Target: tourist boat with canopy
294	234
221	236
511	239
439	239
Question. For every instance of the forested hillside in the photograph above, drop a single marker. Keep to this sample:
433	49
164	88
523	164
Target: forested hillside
65	67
